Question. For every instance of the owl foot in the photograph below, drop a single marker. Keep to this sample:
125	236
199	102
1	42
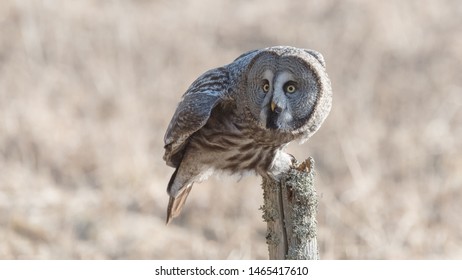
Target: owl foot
282	162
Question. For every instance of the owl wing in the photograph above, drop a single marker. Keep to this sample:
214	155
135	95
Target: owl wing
193	111
197	103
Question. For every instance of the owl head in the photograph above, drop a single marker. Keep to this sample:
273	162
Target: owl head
287	89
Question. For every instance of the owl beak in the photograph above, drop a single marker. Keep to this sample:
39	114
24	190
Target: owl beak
272	119
273	106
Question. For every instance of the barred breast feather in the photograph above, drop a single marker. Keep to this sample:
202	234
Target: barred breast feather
234	144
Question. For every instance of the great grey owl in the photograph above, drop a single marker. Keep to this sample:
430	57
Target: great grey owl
239	117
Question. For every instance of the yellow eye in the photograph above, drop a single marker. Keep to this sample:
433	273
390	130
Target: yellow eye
290	87
265	86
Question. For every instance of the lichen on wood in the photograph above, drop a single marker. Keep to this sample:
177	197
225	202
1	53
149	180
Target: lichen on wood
289	209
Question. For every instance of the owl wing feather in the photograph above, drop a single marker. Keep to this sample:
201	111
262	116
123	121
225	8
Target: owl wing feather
197	103
193	111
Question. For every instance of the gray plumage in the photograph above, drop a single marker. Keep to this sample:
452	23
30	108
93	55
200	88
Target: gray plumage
239	117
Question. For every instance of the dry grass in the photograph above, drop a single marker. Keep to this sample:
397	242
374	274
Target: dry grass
87	89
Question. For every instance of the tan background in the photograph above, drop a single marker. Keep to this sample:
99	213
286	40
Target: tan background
88	87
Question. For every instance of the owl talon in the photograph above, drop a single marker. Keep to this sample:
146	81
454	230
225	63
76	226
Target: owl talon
281	164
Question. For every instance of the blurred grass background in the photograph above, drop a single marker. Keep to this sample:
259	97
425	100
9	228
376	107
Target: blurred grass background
87	89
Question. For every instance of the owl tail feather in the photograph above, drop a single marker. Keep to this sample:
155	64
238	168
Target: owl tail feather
175	204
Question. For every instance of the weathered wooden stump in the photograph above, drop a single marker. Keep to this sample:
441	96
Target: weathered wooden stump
289	210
